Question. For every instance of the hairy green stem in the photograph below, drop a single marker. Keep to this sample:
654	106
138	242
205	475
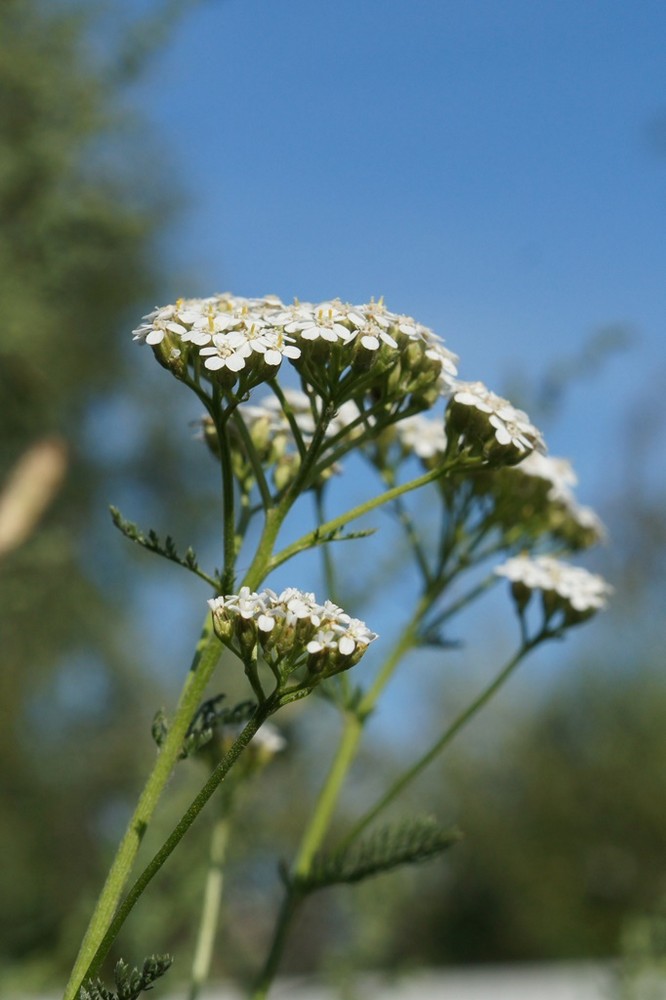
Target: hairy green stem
177	834
326	557
327	800
206	656
313	537
329	794
255	462
439	745
228	503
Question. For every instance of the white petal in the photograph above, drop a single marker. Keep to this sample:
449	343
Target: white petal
214	363
235	362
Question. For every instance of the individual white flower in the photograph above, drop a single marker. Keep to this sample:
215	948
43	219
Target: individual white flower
354	635
246	603
289	608
293	315
322	322
570	589
225	354
156	325
371	335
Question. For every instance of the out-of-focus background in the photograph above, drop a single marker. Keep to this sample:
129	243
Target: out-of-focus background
496	170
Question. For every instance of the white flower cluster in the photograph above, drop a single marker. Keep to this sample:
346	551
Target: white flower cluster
372	325
291	626
233	334
480	419
570	589
227	331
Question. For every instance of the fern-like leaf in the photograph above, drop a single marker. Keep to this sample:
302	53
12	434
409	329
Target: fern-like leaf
409	842
167	549
210	717
339	535
129	983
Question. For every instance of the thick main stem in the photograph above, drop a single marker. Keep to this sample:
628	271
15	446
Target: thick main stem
205	660
177	834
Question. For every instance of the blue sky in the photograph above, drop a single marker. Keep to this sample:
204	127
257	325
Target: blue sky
496	169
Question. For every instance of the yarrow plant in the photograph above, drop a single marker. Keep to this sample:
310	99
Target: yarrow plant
385	387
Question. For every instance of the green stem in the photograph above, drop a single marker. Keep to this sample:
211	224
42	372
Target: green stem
329	795
328	565
313	537
206	656
463	601
465	716
211	906
291	418
177	834
264	561
228	514
263	555
290	904
351	735
255	462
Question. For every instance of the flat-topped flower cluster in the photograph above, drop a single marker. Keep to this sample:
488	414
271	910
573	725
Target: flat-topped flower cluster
234	339
287	626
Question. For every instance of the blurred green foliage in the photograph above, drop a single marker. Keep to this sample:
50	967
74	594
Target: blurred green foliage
75	262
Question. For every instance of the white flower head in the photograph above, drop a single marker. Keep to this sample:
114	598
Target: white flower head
490	425
290	628
236	337
337	347
571	590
